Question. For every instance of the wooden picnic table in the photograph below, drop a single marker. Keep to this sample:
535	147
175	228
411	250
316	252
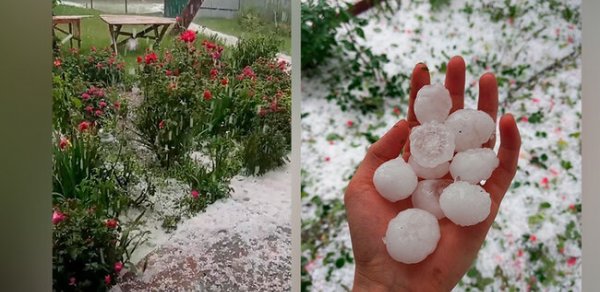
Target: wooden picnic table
74	24
158	25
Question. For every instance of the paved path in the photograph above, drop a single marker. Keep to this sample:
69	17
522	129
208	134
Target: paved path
239	244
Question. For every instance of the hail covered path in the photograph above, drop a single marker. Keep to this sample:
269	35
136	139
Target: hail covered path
242	243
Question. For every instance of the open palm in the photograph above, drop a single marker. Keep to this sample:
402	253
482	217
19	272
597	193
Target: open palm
368	213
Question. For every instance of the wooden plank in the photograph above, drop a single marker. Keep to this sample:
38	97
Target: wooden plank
135	20
190	11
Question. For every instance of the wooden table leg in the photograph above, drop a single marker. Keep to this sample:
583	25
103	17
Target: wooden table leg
160	36
78	33
71	33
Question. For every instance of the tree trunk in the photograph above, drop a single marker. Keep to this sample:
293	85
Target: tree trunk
189	12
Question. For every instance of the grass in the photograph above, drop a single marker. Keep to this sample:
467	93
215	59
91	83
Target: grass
95	33
232	27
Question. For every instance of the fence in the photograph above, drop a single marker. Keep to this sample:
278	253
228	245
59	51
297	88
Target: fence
272	10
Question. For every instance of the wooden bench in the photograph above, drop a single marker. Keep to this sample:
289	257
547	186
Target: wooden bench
74	26
157	25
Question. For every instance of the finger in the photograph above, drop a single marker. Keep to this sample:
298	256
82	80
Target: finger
455	82
389	146
488	100
419	78
508	154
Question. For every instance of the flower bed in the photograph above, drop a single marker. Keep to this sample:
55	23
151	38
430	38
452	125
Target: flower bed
191	101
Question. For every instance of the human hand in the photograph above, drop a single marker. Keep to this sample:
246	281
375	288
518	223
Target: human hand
368	213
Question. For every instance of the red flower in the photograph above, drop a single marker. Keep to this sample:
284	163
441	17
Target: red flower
207	95
117	105
533	238
89	109
72	281
274	105
195	194
93	49
102	104
99	66
570	40
139	59
224	81
178	19
524	119
99	113
248	72
396	110
188	36
151	58
216	55
57	62
118	267
57	217
85	96
168	73
213	72
327	158
112	223
107	279
84	126
520	253
571	261
350	124
161	125
64	143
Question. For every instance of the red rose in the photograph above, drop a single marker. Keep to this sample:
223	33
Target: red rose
118	266
64	143
85	96
224	81
151	58
207	95
107	279
58	217
102	104
168	73
139	59
57	63
188	36
99	113
161	125
84	126
89	109
195	194
112	223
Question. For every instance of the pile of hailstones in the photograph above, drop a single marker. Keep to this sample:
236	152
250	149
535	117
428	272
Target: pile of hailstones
414	233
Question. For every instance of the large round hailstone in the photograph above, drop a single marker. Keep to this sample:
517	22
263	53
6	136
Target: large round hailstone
471	128
412	235
465	204
433	103
431	144
474	165
395	180
427	196
429	172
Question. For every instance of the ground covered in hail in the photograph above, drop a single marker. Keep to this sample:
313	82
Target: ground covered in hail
534	50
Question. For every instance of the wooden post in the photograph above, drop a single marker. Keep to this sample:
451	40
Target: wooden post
125	6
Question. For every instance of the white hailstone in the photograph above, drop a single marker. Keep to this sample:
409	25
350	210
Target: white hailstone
395	180
465	204
412	235
429	172
471	128
427	196
474	165
433	103
431	144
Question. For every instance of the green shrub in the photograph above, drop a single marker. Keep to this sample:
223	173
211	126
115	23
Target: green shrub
253	47
88	248
100	67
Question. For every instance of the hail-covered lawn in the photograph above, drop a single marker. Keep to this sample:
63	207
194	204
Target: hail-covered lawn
533	47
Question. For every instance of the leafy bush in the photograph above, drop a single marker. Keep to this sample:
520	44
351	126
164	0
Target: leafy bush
320	22
101	67
88	248
253	47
